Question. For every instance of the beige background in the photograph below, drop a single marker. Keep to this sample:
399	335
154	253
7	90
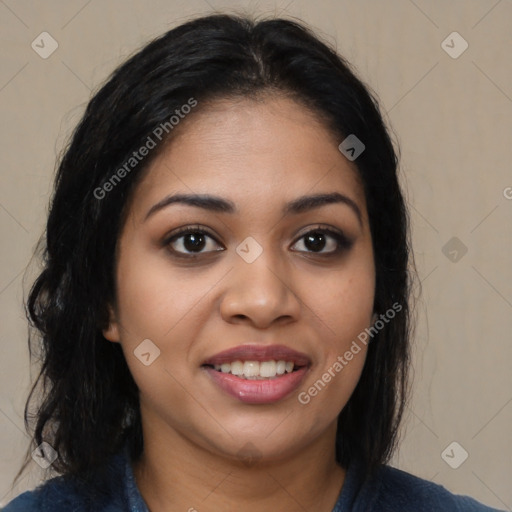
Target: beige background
453	120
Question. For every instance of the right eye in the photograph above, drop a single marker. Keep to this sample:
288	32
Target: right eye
191	241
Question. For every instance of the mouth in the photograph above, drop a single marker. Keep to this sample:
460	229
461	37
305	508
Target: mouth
256	370
258	374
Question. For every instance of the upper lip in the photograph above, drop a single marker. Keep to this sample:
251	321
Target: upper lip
259	353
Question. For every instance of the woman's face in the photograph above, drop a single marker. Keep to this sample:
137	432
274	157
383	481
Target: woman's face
264	287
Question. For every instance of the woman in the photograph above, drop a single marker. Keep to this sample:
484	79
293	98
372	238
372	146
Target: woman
224	303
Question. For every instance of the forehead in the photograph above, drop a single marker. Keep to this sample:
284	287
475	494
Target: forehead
267	151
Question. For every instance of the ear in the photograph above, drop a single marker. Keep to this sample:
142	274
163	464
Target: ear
111	332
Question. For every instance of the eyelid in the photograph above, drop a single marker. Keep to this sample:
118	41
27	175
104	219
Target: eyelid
321	227
190	228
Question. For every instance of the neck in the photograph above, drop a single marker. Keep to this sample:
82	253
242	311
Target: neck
174	474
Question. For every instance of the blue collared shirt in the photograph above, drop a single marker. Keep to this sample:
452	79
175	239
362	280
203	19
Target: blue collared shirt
115	490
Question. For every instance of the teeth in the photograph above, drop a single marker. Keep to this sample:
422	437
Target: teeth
268	369
256	370
280	367
237	368
251	368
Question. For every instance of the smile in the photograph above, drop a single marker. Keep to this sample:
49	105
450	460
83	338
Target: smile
256	370
258	374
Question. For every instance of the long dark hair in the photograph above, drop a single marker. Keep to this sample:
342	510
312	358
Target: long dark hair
87	403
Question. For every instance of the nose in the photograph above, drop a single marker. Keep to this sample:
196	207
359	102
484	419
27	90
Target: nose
260	293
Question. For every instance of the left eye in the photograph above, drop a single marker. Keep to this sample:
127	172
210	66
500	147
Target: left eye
317	240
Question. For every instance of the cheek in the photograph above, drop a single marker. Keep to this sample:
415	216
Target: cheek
159	304
344	303
154	298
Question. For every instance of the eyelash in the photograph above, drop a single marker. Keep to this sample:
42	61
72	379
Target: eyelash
343	243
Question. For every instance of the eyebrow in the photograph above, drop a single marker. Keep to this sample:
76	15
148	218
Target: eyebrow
220	205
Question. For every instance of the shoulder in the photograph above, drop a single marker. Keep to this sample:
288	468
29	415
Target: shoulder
60	491
26	502
399	490
65	493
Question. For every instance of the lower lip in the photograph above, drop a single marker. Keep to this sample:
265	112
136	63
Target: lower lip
258	391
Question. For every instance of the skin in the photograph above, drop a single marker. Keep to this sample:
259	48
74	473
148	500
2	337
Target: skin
258	154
